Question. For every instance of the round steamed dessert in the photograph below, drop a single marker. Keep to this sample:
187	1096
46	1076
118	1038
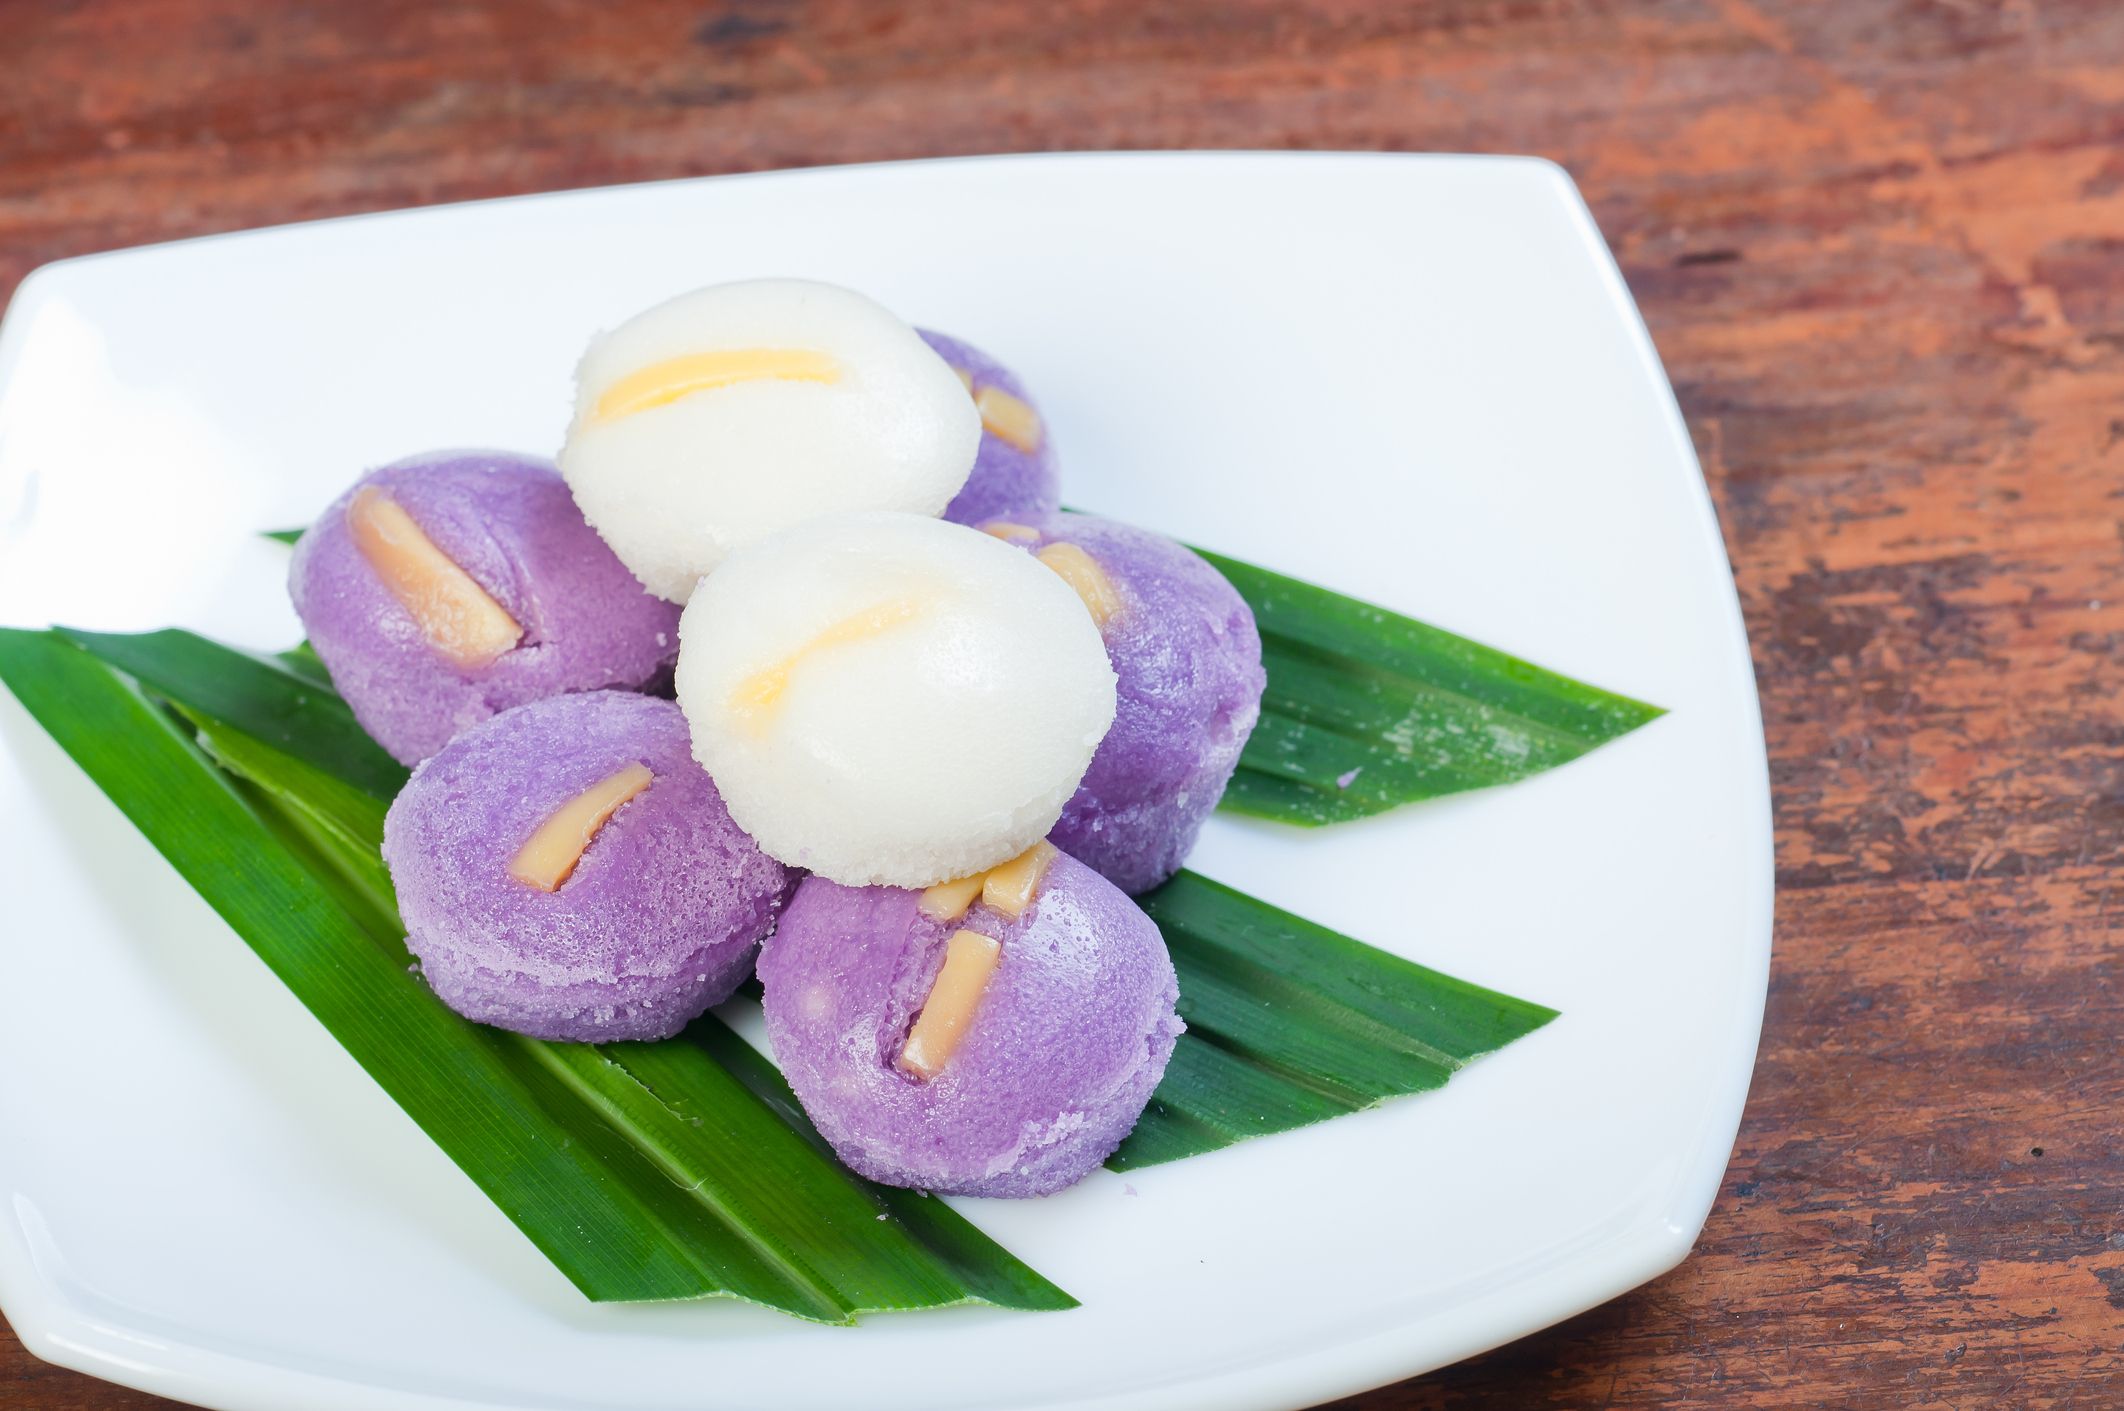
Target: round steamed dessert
724	415
567	870
1014	477
887	698
446	587
998	1035
1187	662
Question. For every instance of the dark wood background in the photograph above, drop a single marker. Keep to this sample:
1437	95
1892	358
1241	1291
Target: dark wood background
1881	246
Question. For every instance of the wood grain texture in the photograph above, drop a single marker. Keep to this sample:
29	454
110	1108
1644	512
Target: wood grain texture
1881	246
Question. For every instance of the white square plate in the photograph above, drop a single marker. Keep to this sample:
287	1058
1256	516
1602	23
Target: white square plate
1417	379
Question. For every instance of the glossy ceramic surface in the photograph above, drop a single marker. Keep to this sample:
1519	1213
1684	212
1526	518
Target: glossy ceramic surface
1419	380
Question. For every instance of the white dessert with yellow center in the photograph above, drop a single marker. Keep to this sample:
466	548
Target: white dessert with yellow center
736	411
891	699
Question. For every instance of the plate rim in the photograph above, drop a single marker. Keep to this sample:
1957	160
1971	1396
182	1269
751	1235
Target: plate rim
62	1332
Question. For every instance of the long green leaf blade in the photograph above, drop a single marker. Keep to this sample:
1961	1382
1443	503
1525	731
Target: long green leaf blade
198	819
699	1119
746	1154
1290	1023
268	698
610	1180
1367	709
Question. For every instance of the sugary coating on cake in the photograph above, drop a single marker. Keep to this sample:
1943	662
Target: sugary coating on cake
892	699
1015	477
507	521
1069	1038
659	919
725	415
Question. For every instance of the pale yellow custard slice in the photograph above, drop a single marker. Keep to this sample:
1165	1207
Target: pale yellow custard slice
1082	573
948	901
459	618
663	383
1010	888
1008	417
970	959
549	857
756	699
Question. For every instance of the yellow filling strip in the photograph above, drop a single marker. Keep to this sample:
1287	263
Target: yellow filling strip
1011	533
755	699
947	901
1008	887
549	858
1008	417
969	962
1011	888
661	384
459	618
1082	572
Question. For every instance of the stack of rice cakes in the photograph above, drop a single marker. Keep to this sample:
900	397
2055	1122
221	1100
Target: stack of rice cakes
931	733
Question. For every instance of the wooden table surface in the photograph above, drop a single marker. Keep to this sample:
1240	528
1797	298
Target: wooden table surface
1881	247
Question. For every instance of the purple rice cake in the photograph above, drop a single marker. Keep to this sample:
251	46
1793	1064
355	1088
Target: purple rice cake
444	588
1187	666
568	871
996	1035
1014	476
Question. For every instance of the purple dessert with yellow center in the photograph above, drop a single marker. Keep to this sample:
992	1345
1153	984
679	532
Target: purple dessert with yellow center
994	1035
1014	476
568	871
1187	667
445	588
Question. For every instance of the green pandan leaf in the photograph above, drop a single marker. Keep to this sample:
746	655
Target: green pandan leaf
280	701
1367	710
1289	1023
643	1171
